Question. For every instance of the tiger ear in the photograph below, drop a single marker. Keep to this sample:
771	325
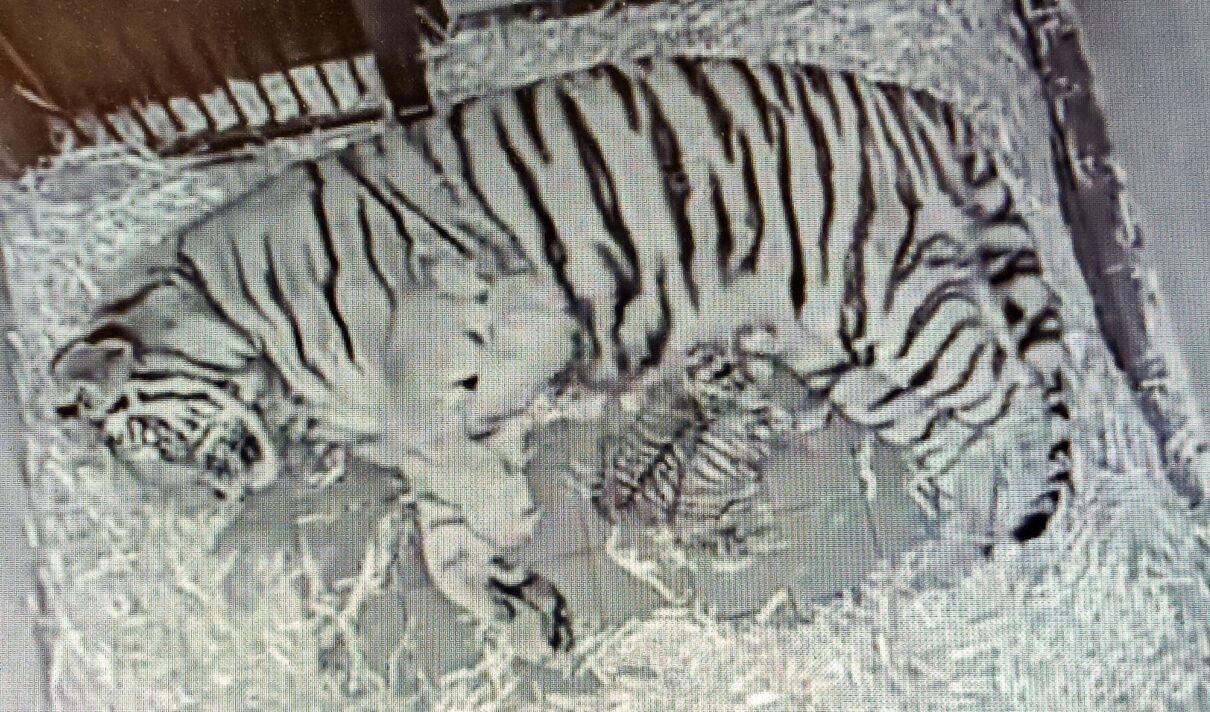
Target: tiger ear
103	364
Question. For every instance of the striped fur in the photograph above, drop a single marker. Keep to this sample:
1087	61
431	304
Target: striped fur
598	228
690	460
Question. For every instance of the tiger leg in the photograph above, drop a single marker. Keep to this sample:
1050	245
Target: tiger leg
1040	433
970	387
473	506
1034	440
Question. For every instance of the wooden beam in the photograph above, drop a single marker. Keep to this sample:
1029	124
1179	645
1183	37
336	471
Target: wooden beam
1108	245
392	32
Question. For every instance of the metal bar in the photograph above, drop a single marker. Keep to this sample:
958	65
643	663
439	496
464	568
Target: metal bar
24	133
392	32
21	70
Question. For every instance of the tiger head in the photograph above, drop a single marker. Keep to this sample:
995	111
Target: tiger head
177	428
171	432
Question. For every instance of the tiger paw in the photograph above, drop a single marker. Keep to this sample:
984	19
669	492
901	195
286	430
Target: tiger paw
538	621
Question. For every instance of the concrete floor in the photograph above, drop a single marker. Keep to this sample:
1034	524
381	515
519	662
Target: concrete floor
1153	72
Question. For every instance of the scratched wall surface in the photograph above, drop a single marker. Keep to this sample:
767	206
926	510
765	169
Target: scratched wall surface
1153	73
1156	97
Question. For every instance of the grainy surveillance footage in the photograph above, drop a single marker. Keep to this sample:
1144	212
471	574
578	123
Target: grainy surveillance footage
635	355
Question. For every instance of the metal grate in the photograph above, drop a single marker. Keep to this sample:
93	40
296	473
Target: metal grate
181	76
186	77
243	111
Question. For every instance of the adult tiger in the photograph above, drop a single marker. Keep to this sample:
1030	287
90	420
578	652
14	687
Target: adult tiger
410	297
